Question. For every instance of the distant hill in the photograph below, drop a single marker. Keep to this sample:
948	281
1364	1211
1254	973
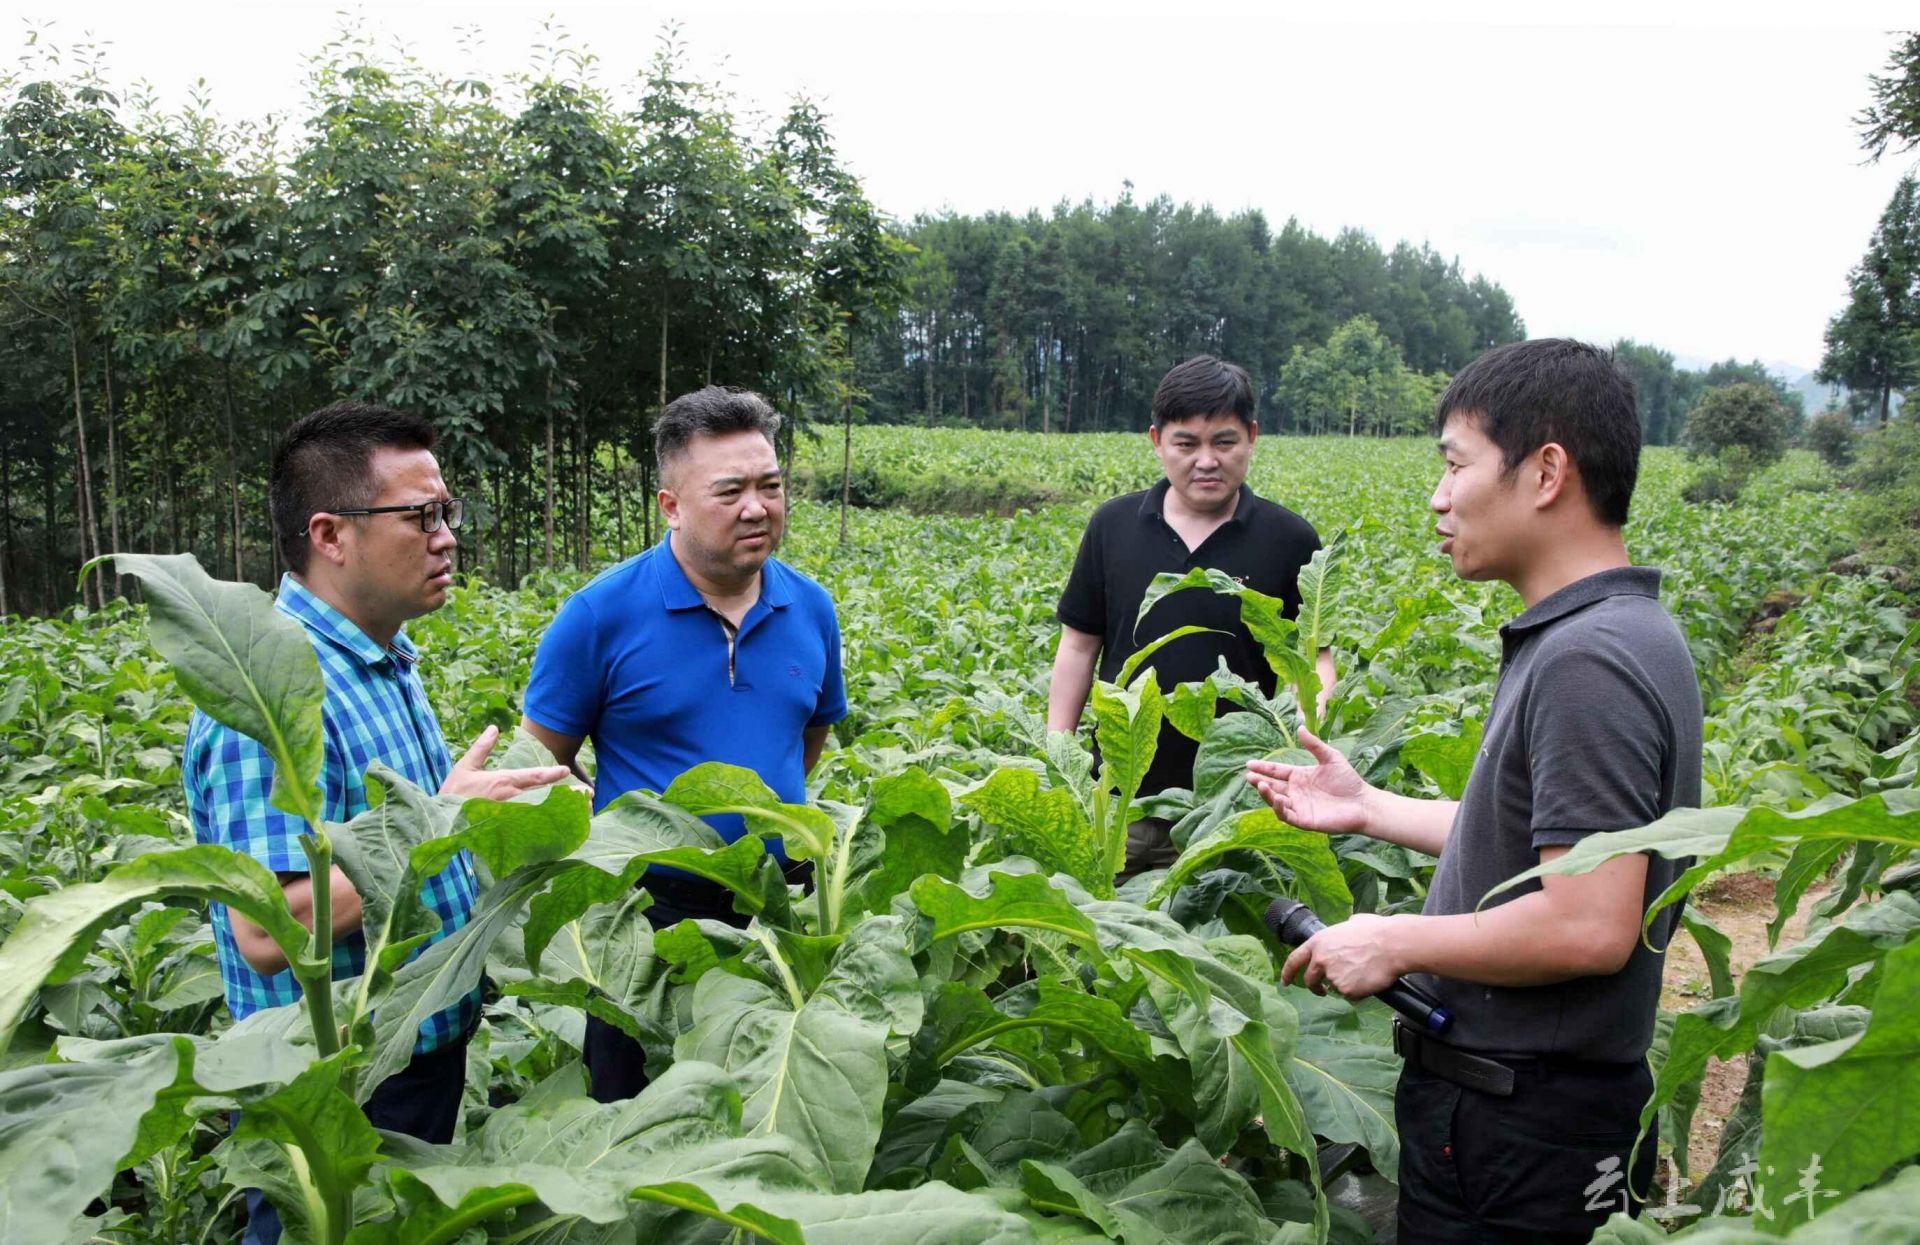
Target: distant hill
1812	392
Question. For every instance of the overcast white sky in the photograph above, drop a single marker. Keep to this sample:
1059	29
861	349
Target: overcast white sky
1686	174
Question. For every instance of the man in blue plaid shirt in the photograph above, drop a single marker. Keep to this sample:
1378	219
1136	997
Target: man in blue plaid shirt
366	529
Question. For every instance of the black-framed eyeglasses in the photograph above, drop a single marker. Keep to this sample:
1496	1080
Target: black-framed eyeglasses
452	512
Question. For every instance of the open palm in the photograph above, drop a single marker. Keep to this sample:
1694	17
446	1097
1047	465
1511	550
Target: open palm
1329	795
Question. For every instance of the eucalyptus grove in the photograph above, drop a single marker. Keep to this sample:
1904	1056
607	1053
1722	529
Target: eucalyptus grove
535	264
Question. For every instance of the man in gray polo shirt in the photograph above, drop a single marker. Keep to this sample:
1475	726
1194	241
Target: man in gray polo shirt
1519	1126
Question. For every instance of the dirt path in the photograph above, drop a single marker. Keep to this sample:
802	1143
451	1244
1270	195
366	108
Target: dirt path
1741	905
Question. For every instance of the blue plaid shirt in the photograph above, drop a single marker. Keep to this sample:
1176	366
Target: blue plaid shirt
375	710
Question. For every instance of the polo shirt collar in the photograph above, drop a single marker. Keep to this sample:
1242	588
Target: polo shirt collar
1155	502
321	619
1621	581
678	593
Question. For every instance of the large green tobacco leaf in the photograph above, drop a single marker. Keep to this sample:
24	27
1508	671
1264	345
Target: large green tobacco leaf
1048	825
1140	656
245	664
523	840
1192	707
1881	1216
1843	1112
1306	853
1136	1190
1741	1132
713	788
817	1074
914	814
1168	583
814	1069
602	961
375	851
930	1214
1238	1037
995	901
1220	765
676	1147
963	1018
1346	1084
328	1144
447	971
1127	726
1447	759
52	940
1718	837
1319	583
64	1129
1800	976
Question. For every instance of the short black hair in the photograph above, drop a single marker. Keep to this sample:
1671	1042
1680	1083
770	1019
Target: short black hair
1526	394
1203	385
710	412
324	461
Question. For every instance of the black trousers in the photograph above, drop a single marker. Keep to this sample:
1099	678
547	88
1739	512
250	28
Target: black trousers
421	1100
1548	1164
616	1064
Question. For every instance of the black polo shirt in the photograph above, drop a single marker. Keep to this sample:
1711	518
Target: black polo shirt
1127	543
1595	725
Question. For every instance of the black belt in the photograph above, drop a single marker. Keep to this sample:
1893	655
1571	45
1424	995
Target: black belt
1450	1063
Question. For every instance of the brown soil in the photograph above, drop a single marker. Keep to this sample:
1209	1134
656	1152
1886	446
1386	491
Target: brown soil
1740	904
1775	606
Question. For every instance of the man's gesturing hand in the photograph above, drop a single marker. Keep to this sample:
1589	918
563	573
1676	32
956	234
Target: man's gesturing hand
471	780
1329	796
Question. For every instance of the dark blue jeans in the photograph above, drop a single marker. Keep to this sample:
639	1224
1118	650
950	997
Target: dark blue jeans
421	1100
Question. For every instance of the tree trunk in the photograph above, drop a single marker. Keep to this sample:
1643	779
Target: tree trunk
233	475
1046	388
89	530
846	445
6	525
548	508
663	397
586	502
619	503
172	477
113	473
933	394
47	495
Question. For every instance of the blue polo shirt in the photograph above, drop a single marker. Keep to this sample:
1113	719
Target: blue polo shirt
637	662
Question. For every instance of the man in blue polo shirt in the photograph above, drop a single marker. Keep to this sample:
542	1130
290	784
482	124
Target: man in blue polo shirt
703	648
366	530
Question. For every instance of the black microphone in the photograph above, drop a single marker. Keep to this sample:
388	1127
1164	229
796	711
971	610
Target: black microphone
1292	922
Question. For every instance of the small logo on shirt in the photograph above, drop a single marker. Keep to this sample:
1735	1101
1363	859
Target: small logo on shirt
794	671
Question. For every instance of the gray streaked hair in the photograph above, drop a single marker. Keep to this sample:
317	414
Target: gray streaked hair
710	412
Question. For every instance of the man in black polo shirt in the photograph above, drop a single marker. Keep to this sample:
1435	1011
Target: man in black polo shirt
1519	1126
1201	515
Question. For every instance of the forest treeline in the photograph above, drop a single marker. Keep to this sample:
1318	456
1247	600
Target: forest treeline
537	264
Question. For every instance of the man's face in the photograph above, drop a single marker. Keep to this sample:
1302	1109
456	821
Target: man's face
726	503
393	570
1205	458
1484	521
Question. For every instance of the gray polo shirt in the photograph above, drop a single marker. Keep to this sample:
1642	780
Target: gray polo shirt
1595	725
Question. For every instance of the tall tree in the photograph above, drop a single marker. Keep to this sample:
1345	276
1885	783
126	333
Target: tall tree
1873	345
1892	120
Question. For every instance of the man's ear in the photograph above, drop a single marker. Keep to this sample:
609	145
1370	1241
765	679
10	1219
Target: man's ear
1153	435
327	537
669	506
1553	474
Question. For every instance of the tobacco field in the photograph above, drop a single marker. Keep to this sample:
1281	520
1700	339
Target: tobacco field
962	1032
